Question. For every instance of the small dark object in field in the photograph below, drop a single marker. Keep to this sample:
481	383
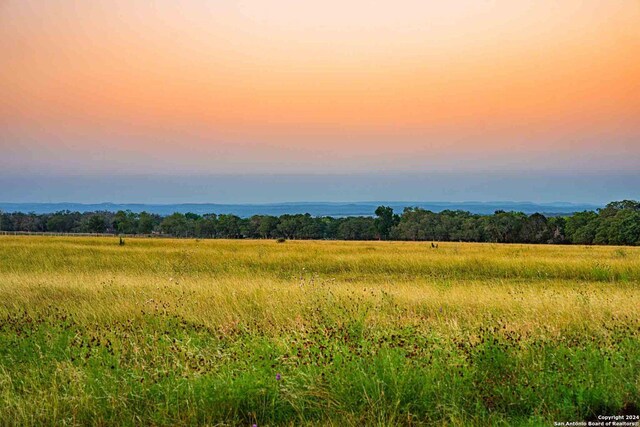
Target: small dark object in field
434	245
281	240
121	241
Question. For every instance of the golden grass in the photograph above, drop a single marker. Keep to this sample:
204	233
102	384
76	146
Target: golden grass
211	279
458	292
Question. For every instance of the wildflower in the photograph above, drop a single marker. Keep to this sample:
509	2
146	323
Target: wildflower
278	377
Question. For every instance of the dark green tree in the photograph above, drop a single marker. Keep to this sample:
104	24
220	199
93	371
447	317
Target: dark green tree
175	225
207	226
385	220
147	223
229	226
97	224
125	222
581	227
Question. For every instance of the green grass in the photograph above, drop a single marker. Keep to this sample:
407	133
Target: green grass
186	332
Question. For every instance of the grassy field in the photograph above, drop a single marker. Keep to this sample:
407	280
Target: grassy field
220	332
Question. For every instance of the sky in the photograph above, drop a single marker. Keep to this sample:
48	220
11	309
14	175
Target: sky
112	91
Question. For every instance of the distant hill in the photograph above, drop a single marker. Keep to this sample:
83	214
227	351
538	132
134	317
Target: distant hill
334	209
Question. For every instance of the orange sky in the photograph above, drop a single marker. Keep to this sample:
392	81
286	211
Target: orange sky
283	85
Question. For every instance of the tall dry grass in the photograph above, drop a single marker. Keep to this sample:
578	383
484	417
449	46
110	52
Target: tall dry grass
193	332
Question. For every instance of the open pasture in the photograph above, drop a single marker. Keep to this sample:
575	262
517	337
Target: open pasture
243	332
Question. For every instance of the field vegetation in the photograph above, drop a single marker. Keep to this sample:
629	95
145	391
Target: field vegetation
243	332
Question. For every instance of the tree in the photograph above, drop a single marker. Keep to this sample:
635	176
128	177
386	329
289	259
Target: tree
207	226
622	205
505	227
625	227
581	227
267	226
415	224
146	223
618	223
125	222
96	224
229	226
536	229
621	228
175	225
385	221
357	228
557	226
6	222
299	226
62	222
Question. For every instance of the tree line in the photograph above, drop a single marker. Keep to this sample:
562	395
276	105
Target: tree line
616	224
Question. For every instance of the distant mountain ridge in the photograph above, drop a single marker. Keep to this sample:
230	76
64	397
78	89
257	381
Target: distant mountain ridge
335	209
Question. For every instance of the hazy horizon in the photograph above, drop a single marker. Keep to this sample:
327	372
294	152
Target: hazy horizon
596	188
